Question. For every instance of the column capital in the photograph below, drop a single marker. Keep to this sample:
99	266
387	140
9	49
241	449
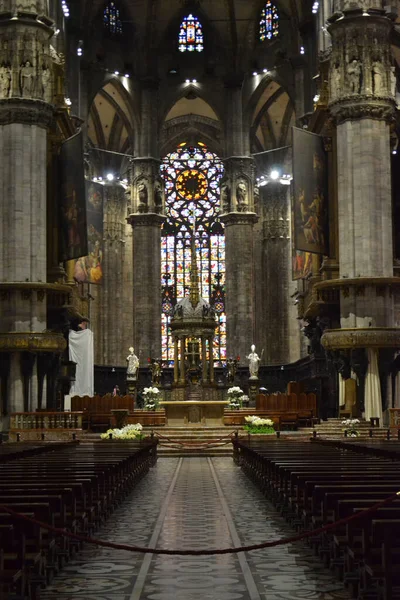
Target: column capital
363	107
146	220
239	218
26	112
362	80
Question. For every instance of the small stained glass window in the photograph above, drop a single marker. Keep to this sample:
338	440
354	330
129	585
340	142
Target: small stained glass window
191	35
112	19
269	22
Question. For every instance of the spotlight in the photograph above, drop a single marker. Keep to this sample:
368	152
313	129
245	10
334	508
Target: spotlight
255	73
394	151
187	80
194	80
302	51
265	70
116	72
67	101
274	175
110	176
127	75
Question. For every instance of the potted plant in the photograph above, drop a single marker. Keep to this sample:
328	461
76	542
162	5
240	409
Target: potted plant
255	424
350	425
128	433
151	397
235	395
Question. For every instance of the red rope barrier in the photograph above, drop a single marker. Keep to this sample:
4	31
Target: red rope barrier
248	548
194	443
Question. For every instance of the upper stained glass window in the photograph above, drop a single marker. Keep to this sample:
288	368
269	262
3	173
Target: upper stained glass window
192	190
111	19
191	35
269	22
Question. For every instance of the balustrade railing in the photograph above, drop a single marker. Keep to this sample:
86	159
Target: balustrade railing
46	420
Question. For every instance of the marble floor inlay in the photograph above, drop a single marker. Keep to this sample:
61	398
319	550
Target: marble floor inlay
195	503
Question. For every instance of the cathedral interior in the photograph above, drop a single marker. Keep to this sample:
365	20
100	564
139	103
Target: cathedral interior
182	181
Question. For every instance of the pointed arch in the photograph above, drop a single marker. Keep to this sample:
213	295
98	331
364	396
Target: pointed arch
190	38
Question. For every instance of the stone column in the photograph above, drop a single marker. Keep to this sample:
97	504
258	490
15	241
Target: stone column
240	322
26	115
182	369
176	363
362	103
211	358
238	216
204	358
146	229
115	328
277	329
146	220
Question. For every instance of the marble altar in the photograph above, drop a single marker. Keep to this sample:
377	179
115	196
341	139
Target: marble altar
191	412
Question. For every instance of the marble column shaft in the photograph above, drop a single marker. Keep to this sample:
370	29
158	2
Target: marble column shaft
239	283
146	285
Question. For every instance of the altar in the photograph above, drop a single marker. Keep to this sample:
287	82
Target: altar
194	412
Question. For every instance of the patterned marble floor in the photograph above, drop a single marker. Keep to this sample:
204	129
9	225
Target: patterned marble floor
195	503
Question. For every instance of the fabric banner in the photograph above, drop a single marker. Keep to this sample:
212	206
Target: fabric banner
73	239
373	402
310	193
81	352
301	264
89	268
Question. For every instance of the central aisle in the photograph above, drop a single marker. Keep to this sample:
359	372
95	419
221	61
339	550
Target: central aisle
195	503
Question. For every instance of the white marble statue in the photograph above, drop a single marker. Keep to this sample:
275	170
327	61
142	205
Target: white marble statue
133	364
378	74
27	73
254	362
5	82
393	81
354	75
46	84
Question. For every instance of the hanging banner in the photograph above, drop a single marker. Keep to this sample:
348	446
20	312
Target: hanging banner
310	193
73	238
89	268
301	264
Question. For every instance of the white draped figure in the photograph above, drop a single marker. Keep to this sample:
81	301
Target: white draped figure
254	362
133	364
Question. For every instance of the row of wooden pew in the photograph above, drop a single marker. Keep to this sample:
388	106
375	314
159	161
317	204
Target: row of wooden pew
316	484
72	486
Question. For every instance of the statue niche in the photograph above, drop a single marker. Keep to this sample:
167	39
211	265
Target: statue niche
241	196
143	197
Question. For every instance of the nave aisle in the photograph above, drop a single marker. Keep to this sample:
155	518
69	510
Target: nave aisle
195	503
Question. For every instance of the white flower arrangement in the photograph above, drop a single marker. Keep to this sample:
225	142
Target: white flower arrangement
129	432
151	395
235	395
255	424
350	425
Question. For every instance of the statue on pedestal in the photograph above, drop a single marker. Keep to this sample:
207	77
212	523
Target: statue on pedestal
254	362
133	365
155	368
231	367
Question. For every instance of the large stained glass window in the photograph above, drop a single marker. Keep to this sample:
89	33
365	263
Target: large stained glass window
111	19
269	22
192	176
191	35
